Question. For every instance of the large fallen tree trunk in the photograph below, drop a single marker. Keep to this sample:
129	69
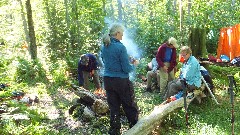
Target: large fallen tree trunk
147	124
97	103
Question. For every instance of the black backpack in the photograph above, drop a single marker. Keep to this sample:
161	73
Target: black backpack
207	78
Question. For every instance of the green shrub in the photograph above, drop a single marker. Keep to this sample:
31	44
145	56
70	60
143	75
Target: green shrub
29	72
58	72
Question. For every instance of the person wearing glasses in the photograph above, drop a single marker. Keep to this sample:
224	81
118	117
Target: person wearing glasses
167	62
189	73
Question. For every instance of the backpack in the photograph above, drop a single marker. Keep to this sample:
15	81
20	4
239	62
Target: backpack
207	78
236	61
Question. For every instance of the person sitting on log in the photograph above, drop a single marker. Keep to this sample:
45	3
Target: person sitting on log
190	73
87	68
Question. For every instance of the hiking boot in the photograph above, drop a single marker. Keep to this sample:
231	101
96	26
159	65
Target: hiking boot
149	90
114	131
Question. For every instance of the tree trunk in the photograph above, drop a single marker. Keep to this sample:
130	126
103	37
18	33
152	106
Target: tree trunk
197	42
24	23
181	21
112	11
120	11
202	42
33	46
189	7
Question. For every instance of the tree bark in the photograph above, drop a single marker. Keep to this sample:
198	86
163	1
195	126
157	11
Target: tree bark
33	46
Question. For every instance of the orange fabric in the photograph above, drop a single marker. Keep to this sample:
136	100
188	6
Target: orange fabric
180	58
229	42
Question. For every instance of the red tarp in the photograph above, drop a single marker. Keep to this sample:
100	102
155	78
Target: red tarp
229	42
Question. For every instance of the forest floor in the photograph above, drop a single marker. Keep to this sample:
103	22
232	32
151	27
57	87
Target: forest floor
55	109
56	106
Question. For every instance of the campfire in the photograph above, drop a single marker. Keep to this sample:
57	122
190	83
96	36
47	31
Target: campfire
100	93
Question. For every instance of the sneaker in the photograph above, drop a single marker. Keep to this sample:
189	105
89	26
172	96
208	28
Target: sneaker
149	89
114	132
190	95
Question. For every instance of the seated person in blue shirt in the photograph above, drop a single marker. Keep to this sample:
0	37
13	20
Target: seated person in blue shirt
153	74
87	68
190	73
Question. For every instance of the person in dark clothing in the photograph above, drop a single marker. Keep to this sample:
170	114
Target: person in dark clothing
119	88
87	68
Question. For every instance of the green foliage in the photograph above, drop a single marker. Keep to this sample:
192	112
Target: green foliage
4	74
58	72
220	73
29	72
75	27
101	125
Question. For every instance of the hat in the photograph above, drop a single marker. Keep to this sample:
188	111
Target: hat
84	60
173	41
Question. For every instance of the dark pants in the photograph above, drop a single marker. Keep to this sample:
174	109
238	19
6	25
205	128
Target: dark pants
120	92
175	86
83	79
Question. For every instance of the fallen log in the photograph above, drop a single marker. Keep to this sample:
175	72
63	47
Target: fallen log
84	94
98	103
147	124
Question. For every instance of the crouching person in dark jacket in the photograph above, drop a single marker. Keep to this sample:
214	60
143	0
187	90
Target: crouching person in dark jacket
87	68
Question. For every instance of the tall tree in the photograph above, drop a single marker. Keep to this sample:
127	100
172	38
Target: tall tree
24	22
33	46
120	14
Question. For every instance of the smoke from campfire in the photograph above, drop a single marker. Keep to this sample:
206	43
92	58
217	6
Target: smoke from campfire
132	49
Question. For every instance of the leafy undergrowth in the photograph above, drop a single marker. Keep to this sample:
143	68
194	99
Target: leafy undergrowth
50	115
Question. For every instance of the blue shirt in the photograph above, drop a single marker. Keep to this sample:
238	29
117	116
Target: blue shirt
154	64
168	54
116	60
190	71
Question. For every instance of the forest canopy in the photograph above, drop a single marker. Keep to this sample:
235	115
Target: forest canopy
70	28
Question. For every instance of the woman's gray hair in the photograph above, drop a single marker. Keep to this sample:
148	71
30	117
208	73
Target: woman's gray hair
115	28
186	49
